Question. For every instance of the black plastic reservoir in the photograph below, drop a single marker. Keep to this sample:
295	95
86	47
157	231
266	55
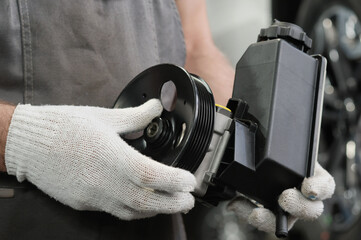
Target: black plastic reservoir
283	87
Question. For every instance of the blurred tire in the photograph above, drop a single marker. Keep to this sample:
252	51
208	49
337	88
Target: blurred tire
334	26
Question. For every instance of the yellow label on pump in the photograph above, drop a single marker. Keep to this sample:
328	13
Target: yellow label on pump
218	105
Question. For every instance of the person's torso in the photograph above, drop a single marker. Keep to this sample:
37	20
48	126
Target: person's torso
83	52
79	53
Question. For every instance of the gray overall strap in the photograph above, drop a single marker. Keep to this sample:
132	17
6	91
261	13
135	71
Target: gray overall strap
11	64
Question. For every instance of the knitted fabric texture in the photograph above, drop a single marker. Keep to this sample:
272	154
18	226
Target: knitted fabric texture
305	204
75	155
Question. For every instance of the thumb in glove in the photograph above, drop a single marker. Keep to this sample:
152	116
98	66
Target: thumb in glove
75	155
306	205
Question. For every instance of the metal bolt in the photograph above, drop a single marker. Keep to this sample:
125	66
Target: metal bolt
152	129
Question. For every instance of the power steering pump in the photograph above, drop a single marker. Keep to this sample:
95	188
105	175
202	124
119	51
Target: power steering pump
263	142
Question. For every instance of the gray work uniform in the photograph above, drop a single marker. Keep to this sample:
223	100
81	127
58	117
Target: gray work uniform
79	53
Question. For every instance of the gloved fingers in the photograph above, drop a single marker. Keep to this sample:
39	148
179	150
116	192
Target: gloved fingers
293	202
145	172
264	220
148	203
261	218
151	201
132	119
320	186
242	207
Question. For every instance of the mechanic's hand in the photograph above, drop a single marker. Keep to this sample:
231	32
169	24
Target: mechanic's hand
307	205
75	155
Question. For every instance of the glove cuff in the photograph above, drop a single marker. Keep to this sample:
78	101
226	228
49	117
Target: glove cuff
29	140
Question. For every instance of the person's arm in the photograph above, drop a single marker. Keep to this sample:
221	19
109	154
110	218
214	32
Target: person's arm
203	57
6	112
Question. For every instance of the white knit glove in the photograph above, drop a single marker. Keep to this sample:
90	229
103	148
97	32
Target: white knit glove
75	155
307	205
